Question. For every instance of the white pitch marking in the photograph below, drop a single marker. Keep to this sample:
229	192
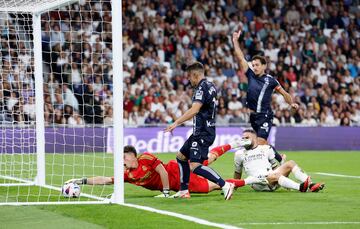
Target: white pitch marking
184	217
338	175
300	223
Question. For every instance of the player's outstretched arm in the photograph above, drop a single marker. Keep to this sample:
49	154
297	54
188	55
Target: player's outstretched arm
195	108
288	98
92	180
238	53
164	180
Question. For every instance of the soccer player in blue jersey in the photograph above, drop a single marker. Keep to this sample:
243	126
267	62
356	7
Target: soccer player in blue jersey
260	89
196	147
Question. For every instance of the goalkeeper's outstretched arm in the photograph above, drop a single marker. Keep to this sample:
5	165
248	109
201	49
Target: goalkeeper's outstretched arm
92	180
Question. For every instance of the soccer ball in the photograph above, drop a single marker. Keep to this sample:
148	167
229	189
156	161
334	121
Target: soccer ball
71	190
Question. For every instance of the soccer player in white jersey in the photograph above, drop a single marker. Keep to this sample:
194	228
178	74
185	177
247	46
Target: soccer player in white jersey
259	161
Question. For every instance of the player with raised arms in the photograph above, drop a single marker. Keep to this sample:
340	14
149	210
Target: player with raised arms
259	92
259	161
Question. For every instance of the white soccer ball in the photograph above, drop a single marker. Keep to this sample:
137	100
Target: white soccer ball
71	190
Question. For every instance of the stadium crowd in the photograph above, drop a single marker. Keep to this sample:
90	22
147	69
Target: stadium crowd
311	46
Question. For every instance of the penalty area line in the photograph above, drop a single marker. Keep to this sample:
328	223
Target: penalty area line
183	217
338	175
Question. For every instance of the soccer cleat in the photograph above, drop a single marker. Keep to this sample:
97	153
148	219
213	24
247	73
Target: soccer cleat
237	143
162	195
305	185
228	190
316	187
181	194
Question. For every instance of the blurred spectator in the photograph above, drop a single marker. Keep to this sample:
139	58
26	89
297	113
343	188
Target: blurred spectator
312	49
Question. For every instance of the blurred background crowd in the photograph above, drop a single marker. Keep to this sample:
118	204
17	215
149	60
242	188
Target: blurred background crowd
312	48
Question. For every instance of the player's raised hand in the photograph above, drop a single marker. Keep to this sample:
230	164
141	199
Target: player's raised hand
235	36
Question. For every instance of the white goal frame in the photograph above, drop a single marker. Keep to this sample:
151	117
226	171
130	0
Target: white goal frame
118	194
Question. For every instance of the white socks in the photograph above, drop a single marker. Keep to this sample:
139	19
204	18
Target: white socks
287	183
300	175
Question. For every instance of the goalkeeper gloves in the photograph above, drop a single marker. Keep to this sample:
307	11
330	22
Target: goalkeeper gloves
77	181
165	194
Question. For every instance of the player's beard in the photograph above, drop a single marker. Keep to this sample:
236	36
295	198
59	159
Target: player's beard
248	147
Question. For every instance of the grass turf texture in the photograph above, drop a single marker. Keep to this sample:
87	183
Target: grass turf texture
339	202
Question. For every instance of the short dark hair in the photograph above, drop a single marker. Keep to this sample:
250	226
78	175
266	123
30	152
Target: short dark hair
249	131
130	149
261	58
196	66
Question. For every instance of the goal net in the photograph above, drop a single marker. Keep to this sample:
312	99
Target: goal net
56	100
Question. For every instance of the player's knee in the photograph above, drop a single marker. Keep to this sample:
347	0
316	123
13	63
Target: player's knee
194	165
180	156
291	164
273	177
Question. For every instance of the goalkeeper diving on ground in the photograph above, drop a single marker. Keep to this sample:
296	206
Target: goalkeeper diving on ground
148	171
258	161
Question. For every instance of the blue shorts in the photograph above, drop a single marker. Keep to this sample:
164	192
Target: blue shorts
196	148
261	123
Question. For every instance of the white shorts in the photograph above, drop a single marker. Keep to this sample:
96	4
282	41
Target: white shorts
265	187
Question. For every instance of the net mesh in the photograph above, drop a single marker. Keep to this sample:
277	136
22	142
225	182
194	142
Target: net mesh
77	73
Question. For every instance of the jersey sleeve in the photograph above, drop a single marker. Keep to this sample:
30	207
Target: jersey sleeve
199	95
250	73
271	153
277	85
238	161
149	160
271	157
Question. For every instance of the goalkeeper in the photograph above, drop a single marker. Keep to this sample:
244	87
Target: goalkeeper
148	171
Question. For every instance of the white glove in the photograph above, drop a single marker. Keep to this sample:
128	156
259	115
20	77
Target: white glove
165	194
237	143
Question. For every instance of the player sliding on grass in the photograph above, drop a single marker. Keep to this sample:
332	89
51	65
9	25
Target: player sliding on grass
259	161
148	171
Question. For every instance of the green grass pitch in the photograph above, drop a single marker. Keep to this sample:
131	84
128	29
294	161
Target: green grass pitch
339	202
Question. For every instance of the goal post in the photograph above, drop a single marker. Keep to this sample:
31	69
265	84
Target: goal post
56	101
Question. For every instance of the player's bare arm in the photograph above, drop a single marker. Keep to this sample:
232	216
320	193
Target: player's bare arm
164	180
99	180
288	98
195	108
238	53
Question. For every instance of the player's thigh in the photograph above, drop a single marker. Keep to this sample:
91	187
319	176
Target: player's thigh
185	149
199	149
264	123
283	170
198	184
